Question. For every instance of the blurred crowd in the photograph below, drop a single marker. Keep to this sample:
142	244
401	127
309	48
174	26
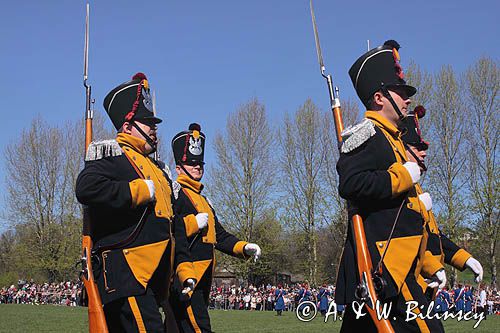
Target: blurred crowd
63	293
262	298
253	298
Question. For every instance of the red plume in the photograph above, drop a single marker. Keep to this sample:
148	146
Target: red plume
139	76
419	111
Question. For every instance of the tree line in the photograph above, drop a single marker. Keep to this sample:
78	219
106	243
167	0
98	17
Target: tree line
275	185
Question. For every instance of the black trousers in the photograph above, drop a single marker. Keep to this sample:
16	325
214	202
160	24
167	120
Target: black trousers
410	291
134	314
191	314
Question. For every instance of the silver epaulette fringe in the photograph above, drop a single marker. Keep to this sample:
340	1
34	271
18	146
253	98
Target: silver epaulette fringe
355	136
101	149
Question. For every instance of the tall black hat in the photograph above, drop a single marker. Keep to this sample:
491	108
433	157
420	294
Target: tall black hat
411	129
376	69
130	101
189	146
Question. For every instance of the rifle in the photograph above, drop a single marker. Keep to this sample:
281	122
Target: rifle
156	154
97	320
370	280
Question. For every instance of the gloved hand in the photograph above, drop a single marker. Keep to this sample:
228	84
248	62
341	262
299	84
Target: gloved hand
151	188
252	249
202	220
426	199
414	171
476	267
437	280
188	286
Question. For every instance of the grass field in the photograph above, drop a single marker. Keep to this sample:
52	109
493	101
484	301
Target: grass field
49	318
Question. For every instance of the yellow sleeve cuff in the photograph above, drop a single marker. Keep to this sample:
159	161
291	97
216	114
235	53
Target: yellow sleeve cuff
400	179
191	225
238	249
459	258
185	270
430	265
139	192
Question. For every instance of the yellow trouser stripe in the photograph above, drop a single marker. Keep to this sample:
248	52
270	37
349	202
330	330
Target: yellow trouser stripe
192	319
422	325
137	314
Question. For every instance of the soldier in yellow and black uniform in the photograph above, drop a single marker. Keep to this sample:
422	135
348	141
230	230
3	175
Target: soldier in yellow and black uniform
378	181
128	199
439	246
204	231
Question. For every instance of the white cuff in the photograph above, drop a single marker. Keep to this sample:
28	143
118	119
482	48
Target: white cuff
426	199
413	170
151	188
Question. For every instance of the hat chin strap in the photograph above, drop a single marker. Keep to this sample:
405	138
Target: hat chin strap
146	137
387	95
187	172
419	161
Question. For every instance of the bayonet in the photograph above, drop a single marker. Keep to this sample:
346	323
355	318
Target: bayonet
88	88
156	154
333	92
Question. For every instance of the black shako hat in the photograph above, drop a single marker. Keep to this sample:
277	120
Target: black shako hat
130	101
189	146
411	129
377	68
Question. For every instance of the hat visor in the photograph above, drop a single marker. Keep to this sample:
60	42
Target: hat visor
151	119
410	90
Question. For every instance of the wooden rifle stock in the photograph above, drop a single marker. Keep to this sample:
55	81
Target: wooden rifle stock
365	269
97	320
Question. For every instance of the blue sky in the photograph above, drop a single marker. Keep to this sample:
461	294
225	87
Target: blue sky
205	58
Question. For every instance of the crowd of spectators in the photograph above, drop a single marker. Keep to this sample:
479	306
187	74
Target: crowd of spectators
64	293
261	298
223	297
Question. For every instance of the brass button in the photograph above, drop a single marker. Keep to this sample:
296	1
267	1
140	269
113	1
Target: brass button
159	212
140	167
125	251
410	205
381	245
148	177
134	158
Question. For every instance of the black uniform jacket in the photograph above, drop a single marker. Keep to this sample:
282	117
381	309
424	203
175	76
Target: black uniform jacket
116	198
374	181
190	202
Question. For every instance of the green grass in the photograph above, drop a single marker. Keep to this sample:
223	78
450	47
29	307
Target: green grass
49	318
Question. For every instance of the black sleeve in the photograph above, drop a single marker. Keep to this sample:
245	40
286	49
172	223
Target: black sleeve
181	242
96	185
449	247
359	176
225	240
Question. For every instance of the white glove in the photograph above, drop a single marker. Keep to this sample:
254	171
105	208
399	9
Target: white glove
414	171
426	199
189	285
202	220
151	188
476	267
437	280
252	249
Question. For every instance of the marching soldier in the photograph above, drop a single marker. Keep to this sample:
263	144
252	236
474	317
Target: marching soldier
128	197
439	247
204	231
378	181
